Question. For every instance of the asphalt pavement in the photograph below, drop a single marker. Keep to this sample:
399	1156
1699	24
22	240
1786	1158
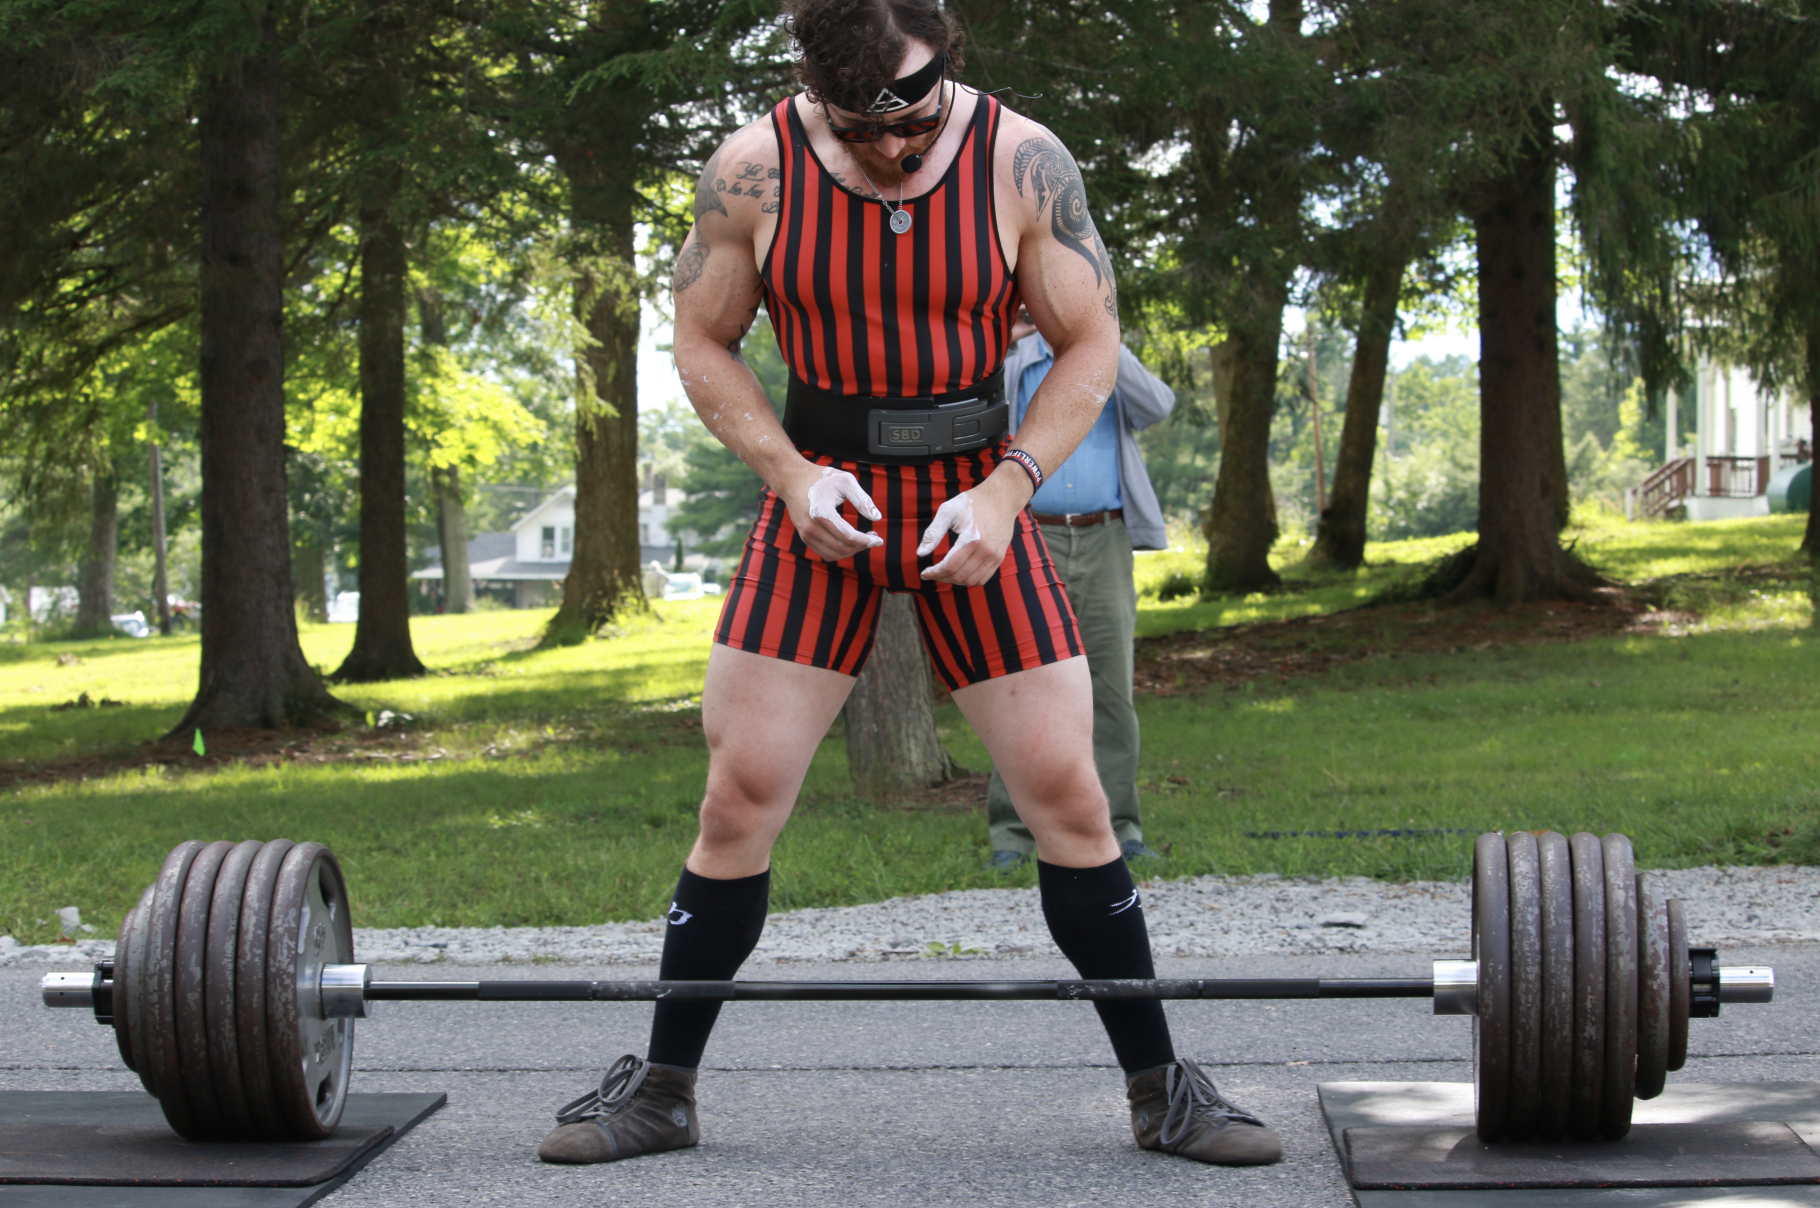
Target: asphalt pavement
889	1104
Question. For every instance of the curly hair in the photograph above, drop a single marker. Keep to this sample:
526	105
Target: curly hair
849	49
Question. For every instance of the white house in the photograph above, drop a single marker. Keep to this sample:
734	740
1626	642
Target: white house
533	557
1744	436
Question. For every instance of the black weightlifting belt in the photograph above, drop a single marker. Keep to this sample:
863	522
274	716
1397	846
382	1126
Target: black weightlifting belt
897	431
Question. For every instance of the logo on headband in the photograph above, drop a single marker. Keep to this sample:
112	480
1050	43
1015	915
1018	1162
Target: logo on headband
888	102
906	91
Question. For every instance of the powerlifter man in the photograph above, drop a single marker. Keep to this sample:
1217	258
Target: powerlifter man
891	222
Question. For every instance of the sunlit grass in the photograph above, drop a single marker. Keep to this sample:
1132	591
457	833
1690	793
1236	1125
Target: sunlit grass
560	786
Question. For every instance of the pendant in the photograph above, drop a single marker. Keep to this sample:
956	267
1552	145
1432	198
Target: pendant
900	221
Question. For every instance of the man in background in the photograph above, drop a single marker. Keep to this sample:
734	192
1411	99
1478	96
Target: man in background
1094	510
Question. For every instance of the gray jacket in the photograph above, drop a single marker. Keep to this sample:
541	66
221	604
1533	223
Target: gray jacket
1142	400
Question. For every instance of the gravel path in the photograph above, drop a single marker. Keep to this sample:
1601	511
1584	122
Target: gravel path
1202	916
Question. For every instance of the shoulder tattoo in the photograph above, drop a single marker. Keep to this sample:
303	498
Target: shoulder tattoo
756	180
689	266
708	188
1045	171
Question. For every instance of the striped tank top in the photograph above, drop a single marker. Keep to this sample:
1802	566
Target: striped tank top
859	310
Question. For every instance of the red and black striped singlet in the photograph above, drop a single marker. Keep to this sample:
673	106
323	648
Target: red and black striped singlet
859	310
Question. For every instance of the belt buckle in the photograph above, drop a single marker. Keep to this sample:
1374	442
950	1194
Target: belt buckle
927	432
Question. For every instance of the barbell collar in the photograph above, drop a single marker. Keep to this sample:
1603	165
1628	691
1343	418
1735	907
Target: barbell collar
1456	987
344	991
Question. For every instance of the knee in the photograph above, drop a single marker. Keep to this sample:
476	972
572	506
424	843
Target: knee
738	806
1069	795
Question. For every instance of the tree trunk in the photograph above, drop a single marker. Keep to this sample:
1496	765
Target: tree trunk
253	671
95	606
1240	523
604	576
892	746
161	581
1258	181
311	570
452	532
1810	541
1519	555
1339	540
382	635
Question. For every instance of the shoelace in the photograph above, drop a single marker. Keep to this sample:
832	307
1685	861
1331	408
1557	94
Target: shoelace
1191	1094
622	1080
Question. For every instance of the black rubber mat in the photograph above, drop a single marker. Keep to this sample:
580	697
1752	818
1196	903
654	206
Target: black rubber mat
120	1139
1750	1153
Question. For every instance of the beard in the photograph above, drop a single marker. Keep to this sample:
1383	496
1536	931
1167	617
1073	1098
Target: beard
887	171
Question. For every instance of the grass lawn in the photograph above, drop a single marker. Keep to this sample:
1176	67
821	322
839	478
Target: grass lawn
561	787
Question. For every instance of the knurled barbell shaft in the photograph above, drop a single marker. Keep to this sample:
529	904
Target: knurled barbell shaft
349	983
853	991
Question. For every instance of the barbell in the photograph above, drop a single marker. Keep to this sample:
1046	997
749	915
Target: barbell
233	989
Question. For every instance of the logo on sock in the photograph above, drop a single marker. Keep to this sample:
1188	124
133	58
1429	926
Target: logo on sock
678	916
1127	904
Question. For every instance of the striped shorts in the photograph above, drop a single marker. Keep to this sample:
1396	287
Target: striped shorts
787	603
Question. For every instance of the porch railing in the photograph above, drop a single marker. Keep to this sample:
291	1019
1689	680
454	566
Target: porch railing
1664	488
1737	477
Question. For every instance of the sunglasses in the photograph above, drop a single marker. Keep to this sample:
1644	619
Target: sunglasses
871	134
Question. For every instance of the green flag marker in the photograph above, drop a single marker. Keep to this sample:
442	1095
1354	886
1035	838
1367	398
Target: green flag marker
197	745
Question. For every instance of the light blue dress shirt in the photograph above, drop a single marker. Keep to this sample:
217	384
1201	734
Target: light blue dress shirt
1089	480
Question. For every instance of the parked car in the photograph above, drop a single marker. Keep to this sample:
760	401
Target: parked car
345	607
132	624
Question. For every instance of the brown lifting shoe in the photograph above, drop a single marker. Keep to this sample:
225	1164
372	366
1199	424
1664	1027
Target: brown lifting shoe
1178	1110
638	1108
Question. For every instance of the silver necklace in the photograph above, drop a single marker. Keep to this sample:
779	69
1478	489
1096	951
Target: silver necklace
900	217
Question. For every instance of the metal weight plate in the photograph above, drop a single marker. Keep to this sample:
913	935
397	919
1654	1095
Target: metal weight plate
1556	1062
249	991
1491	948
1621	970
1652	989
311	1056
1525	985
163	1065
1589	986
191	1022
1680	985
218	979
125	965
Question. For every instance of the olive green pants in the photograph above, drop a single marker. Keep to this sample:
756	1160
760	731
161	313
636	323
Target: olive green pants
1095	566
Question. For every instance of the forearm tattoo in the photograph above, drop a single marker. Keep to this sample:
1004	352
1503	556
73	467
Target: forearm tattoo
1054	181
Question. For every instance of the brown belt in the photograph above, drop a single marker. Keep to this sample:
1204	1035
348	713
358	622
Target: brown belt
1079	519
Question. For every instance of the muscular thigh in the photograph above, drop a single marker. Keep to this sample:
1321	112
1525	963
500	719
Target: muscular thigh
764	718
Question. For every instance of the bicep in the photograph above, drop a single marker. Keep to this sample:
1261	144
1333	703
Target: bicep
1063	268
715	287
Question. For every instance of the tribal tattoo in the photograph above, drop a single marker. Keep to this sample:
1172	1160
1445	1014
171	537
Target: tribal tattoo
708	189
1055	182
689	266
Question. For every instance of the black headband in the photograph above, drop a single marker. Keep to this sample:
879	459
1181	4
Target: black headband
906	91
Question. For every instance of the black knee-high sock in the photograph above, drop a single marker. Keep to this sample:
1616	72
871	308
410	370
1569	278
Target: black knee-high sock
712	928
1098	923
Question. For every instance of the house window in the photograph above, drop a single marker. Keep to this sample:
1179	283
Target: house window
549	542
568	541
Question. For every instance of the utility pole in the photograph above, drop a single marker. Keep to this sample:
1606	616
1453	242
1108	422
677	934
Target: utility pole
161	591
